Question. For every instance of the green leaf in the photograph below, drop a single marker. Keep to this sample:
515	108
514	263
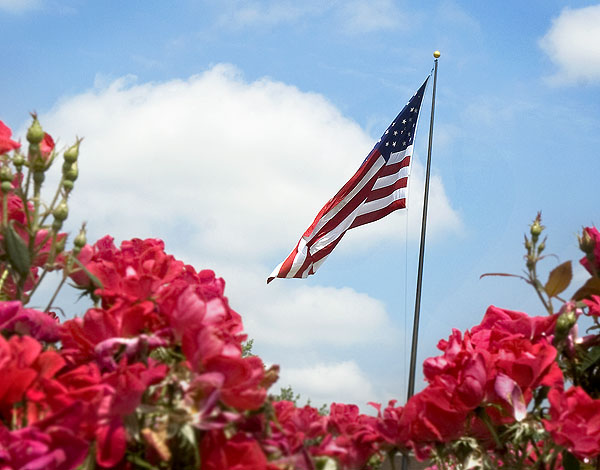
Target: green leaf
188	436
503	275
591	287
569	461
140	462
559	279
591	358
90	461
18	253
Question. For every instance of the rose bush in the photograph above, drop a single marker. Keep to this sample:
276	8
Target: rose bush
155	374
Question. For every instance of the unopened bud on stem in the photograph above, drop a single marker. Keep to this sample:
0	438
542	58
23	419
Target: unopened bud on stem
19	161
61	212
536	230
35	133
530	263
72	153
565	322
72	173
68	185
5	174
80	239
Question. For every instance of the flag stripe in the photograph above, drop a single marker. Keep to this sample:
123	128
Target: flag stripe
392	168
382	202
386	190
379	214
364	174
361	193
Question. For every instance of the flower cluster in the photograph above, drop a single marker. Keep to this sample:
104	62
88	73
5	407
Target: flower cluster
157	365
155	375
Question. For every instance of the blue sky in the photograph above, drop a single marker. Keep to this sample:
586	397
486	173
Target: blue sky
222	127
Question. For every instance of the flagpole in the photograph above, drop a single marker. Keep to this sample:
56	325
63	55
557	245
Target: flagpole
415	336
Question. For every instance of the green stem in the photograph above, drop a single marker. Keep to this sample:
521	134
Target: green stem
391	459
62	282
37	189
488	423
3	278
27	184
54	199
535	282
4	210
48	263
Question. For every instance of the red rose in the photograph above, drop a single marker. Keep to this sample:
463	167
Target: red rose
46	146
238	453
574	421
590	244
429	418
6	143
593	304
16	319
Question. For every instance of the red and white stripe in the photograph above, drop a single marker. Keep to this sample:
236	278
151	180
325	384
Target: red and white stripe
377	189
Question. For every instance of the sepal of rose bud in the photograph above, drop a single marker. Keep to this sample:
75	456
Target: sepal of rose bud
541	247
60	244
72	153
586	242
271	376
35	133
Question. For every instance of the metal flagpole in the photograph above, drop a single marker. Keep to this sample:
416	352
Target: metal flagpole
415	335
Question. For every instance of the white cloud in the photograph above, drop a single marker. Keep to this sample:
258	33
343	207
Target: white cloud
364	16
342	382
217	164
242	14
19	6
293	315
573	44
354	16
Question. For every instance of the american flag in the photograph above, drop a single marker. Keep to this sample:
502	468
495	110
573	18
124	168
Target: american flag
378	188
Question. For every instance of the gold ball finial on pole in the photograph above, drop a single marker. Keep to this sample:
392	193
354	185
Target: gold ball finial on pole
437	54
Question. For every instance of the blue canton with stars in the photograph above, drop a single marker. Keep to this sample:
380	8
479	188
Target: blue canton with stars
401	132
